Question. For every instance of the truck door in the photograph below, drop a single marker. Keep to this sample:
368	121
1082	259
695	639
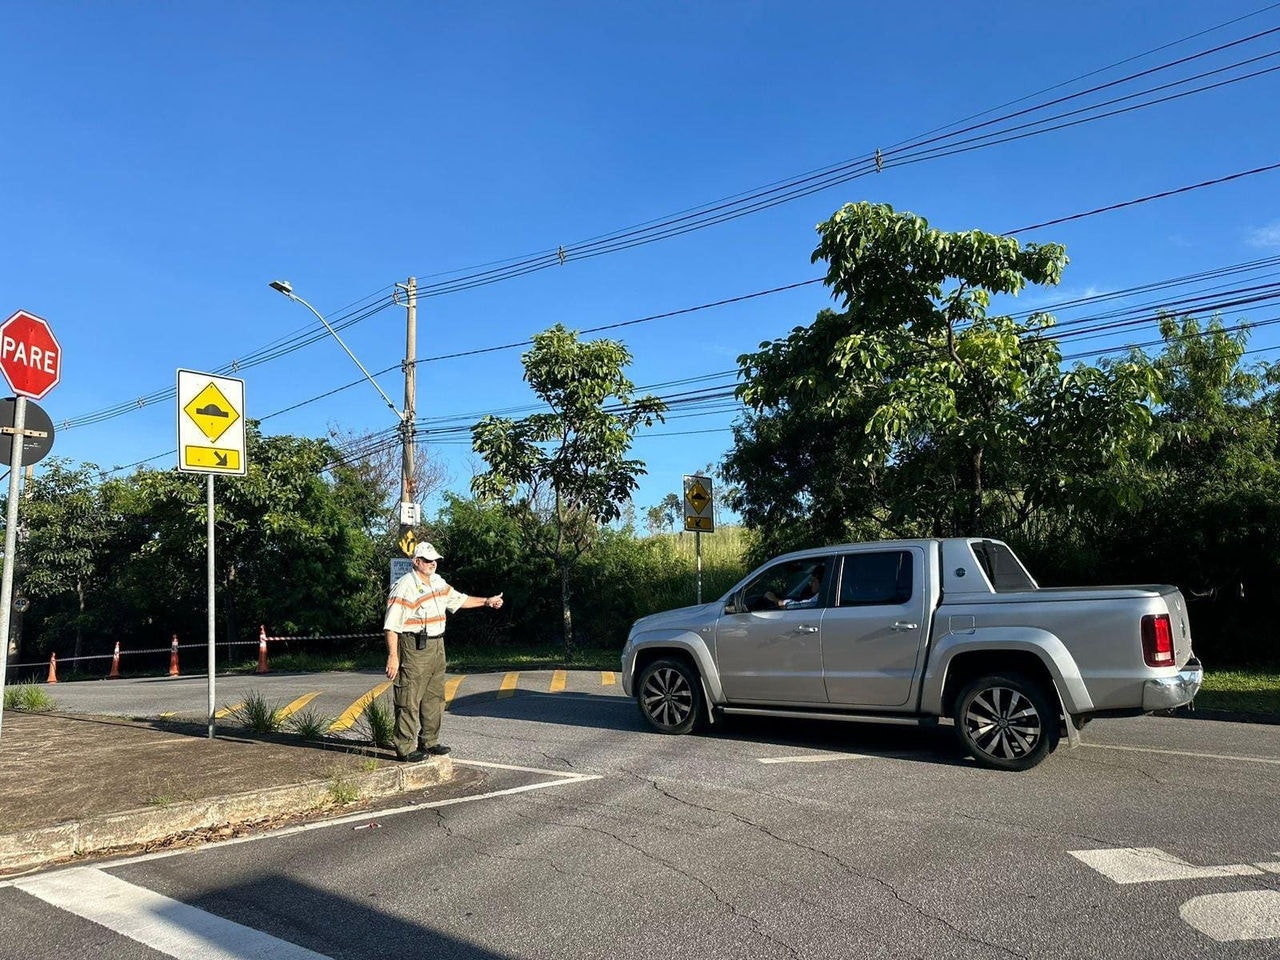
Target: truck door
873	631
770	648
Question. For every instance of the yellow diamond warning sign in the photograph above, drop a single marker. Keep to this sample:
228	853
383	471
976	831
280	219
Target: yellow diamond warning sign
698	497
211	412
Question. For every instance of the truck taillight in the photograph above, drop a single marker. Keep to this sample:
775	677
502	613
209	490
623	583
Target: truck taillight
1157	640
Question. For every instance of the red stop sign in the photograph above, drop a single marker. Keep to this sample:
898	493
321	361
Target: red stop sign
29	355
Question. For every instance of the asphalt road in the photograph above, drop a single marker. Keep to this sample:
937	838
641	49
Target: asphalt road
1158	837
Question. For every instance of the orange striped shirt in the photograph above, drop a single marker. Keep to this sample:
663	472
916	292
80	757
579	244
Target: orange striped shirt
416	605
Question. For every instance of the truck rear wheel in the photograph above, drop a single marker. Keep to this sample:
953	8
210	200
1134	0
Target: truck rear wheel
670	696
1005	721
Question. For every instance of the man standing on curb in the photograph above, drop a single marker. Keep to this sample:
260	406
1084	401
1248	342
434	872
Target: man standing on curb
415	652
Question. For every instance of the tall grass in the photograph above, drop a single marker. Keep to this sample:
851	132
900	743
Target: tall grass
31	697
379	722
722	566
257	714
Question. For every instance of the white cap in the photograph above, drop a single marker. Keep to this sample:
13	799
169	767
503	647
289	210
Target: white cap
426	551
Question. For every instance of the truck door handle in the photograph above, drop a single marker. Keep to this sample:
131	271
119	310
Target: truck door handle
902	625
806	628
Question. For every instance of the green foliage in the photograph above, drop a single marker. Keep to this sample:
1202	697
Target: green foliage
1241	691
343	791
310	724
379	722
912	410
28	697
565	474
127	557
257	714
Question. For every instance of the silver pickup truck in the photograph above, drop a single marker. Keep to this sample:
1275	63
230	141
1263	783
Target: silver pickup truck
910	632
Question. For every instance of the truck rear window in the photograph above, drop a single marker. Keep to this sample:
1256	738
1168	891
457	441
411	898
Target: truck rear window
1001	567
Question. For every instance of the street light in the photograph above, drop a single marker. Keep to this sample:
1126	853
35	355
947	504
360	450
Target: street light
285	287
408	508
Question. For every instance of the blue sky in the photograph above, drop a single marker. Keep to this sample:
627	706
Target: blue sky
162	162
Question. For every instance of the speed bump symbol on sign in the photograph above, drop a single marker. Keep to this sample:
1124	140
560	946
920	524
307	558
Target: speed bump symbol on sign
211	412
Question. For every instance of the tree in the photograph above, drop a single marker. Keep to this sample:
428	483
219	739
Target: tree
67	529
566	473
665	514
913	411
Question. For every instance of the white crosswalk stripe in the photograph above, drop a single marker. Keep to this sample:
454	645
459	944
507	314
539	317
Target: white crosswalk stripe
165	925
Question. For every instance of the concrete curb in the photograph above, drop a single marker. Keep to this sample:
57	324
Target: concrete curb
30	848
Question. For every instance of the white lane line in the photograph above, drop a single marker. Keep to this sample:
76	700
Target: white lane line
814	758
1153	865
1250	915
1184	753
163	924
563	774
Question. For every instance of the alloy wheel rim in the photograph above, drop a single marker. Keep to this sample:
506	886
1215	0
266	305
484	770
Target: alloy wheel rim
1003	723
667	697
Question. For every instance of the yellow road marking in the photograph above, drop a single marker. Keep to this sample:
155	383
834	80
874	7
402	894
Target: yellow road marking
297	705
558	679
608	678
225	711
508	685
352	713
451	688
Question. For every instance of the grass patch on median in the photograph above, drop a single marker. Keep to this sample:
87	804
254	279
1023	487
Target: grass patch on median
1253	692
30	697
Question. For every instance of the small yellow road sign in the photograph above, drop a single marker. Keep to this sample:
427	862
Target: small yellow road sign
698	512
211	435
212	458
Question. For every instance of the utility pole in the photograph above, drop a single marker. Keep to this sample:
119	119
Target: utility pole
409	508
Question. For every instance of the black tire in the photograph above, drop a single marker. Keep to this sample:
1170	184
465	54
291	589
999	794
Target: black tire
1006	721
670	696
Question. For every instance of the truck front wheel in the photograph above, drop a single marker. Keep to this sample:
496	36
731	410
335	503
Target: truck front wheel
670	696
1005	721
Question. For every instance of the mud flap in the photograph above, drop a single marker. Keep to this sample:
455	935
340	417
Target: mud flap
1073	732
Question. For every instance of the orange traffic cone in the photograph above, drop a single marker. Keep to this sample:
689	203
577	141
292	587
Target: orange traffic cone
262	649
115	664
173	657
53	668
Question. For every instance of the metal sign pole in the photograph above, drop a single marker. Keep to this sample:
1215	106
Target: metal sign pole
11	535
212	701
697	543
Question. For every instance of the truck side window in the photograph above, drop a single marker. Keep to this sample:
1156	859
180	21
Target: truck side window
876	579
794	584
1001	567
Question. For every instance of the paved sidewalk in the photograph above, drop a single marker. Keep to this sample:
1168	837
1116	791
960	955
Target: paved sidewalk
73	785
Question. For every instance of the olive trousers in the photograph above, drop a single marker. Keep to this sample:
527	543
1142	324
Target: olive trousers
419	694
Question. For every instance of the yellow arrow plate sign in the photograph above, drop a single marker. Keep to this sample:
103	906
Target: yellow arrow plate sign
211	458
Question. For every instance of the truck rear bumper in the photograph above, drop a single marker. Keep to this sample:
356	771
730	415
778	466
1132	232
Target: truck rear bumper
1169	692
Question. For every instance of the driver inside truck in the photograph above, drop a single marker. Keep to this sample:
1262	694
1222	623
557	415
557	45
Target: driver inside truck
805	595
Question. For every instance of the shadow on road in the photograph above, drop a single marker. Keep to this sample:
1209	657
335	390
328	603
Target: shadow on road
923	744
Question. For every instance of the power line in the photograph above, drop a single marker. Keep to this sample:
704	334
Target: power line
735	206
